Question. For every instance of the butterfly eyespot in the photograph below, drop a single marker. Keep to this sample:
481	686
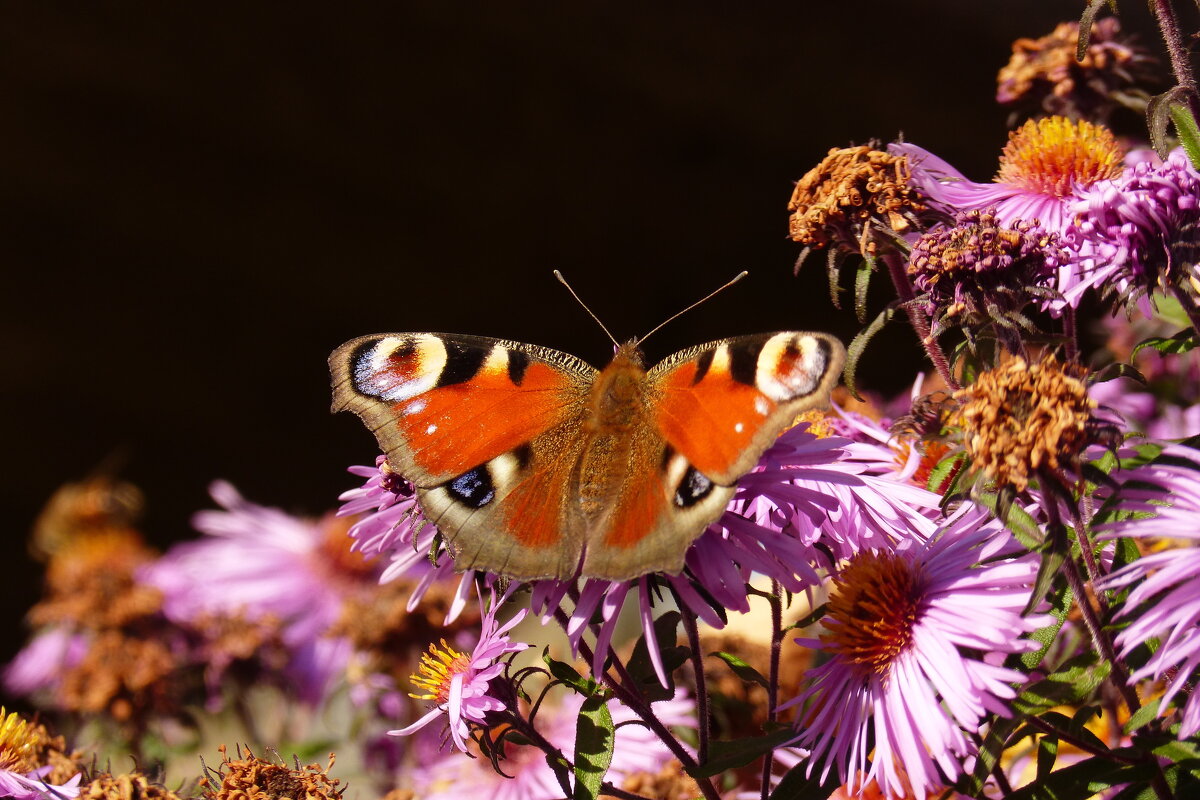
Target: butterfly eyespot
694	487
473	489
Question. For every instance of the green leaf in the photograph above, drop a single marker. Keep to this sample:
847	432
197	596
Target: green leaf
1186	130
1047	754
640	667
1023	526
1178	750
594	737
994	743
859	345
1083	779
1085	25
796	786
833	265
810	618
1142	717
1158	115
862	281
1118	370
1060	607
1071	683
734	753
743	670
569	675
1182	342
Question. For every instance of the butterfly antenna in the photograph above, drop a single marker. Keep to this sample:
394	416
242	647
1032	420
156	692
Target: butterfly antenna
563	281
704	299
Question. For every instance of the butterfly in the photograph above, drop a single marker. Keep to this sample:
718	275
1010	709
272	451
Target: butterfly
533	464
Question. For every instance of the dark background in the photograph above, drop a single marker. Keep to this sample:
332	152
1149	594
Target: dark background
198	203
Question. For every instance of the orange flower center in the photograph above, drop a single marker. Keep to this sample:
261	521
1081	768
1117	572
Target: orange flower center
438	667
875	603
1054	156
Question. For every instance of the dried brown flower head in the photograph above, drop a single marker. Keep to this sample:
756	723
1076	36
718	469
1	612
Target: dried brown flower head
853	189
1019	418
123	675
91	583
670	783
1043	75
77	509
249	777
132	786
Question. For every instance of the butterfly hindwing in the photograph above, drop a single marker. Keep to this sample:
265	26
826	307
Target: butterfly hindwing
477	425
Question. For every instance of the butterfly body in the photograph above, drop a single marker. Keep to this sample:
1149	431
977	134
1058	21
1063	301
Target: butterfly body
535	465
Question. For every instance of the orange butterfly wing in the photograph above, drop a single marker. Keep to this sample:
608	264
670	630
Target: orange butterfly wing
488	431
710	412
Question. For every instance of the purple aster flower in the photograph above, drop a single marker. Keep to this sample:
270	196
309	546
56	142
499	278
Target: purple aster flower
260	563
636	750
1165	602
1046	166
809	496
41	663
903	633
21	777
459	682
1139	230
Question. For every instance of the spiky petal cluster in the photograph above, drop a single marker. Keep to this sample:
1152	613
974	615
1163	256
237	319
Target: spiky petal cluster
979	271
1140	231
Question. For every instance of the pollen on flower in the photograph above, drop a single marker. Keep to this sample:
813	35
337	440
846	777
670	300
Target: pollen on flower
436	670
1055	156
1018	418
875	603
18	740
835	202
818	423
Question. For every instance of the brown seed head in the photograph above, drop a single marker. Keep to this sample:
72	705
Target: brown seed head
122	675
1018	418
670	783
836	202
91	583
133	786
249	777
1044	76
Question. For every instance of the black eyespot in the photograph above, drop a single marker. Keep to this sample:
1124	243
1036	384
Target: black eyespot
694	487
473	489
518	362
462	363
743	358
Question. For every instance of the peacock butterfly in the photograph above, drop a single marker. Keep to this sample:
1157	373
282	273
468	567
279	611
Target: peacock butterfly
533	464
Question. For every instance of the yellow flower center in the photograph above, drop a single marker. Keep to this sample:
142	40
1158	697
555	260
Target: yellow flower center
870	619
1055	156
18	743
436	670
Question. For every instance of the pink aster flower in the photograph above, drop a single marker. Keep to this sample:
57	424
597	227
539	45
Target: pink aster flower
636	750
903	633
260	563
1164	603
1045	168
1138	231
41	663
459	682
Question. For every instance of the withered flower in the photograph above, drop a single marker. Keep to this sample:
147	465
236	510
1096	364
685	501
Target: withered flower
851	198
979	272
1021	420
1044	77
249	777
130	786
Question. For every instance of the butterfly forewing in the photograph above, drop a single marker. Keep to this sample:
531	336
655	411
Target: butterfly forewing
477	425
722	404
